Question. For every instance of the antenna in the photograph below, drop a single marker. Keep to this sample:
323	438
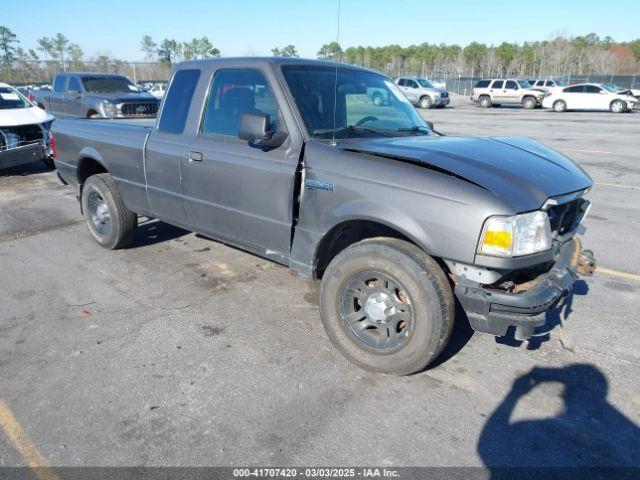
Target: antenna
335	85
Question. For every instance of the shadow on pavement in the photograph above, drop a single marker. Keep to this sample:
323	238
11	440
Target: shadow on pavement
589	439
30	168
153	231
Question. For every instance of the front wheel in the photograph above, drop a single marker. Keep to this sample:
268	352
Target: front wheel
387	306
529	103
110	223
618	106
426	102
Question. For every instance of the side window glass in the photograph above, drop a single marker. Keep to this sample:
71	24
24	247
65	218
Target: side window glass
232	93
497	84
176	106
577	89
74	84
591	89
511	85
413	84
402	82
58	85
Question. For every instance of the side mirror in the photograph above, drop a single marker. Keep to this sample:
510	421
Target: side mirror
254	128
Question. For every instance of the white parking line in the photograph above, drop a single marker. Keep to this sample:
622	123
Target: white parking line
631	187
618	273
599	152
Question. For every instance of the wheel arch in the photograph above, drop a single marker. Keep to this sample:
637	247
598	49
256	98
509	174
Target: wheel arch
90	162
355	226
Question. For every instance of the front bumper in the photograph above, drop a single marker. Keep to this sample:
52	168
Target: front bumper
493	311
441	101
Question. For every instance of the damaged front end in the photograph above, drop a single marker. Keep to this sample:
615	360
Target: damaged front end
25	143
496	300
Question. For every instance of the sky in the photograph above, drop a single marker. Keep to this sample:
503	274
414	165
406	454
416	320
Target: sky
254	27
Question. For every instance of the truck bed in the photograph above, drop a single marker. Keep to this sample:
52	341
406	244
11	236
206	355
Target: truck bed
116	142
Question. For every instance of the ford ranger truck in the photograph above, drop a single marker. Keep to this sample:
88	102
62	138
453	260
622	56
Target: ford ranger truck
291	160
95	95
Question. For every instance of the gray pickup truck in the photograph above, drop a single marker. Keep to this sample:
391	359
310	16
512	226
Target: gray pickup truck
91	95
292	160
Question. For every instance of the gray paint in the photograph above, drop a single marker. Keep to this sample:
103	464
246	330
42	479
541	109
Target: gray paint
68	104
437	191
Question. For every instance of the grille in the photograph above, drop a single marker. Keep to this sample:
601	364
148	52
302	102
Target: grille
444	94
146	109
564	218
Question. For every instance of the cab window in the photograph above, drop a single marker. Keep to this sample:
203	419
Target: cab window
232	93
74	84
511	85
58	85
497	84
176	106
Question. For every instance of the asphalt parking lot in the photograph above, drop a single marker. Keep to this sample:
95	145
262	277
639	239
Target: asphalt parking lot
182	351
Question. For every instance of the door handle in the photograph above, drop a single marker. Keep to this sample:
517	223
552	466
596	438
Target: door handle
195	156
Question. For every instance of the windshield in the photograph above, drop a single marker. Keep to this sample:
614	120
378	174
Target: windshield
610	87
10	98
113	84
524	84
366	105
425	83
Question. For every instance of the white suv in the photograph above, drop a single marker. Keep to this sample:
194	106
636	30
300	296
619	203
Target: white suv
493	93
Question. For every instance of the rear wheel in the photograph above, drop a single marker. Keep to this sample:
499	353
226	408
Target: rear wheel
618	106
560	106
387	306
110	223
484	101
529	103
426	102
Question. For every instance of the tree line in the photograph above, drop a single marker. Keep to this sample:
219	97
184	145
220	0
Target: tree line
588	54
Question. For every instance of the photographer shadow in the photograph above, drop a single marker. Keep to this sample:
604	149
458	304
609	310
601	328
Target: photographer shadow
589	439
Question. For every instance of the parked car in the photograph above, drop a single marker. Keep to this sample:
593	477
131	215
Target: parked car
393	218
589	96
91	95
158	89
495	92
422	93
24	130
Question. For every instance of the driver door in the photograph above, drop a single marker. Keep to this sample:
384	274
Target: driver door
232	189
410	89
511	92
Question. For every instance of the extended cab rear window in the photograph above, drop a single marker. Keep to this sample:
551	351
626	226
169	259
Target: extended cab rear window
176	104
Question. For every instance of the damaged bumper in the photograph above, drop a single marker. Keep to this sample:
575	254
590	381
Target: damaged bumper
493	311
25	153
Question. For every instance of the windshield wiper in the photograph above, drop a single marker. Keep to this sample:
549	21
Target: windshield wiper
351	129
415	128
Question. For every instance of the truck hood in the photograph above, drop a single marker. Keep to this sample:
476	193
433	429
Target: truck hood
13	117
519	171
123	97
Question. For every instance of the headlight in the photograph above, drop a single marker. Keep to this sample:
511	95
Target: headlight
515	236
109	109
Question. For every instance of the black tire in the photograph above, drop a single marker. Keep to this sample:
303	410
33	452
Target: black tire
618	106
484	101
529	103
420	282
426	102
559	106
119	229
